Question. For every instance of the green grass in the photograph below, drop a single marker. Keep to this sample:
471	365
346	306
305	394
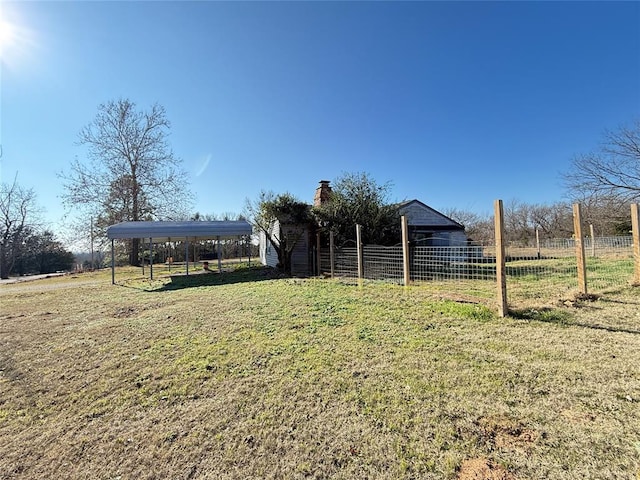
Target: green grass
244	375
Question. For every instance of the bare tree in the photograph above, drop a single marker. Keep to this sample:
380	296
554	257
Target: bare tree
552	221
609	215
611	172
18	213
478	227
130	174
521	222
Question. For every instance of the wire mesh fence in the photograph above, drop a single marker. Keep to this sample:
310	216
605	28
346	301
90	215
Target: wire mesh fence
540	274
550	272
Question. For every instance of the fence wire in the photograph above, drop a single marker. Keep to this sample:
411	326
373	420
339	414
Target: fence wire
550	272
544	273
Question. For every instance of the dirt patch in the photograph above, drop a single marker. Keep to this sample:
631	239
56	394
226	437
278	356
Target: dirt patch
125	312
483	469
505	433
578	417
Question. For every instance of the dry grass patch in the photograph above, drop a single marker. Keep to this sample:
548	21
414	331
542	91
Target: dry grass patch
247	376
483	469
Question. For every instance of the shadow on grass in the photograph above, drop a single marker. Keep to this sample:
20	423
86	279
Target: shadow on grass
162	283
241	275
564	318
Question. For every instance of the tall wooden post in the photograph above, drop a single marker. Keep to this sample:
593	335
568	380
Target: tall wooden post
318	253
186	253
359	250
501	268
635	230
593	241
580	255
405	250
332	253
538	243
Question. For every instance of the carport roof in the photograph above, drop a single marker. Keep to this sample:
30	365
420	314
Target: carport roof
175	231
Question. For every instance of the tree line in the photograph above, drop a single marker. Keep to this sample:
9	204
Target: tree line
524	222
26	247
130	173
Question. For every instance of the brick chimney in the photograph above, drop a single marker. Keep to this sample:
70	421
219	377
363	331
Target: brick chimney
323	193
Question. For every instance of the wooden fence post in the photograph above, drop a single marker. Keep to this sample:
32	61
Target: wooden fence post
405	250
501	269
186	253
318	253
593	241
332	253
580	254
359	249
635	230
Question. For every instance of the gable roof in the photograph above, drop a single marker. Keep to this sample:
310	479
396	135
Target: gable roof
420	214
175	231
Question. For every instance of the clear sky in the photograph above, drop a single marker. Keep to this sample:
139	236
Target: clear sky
454	103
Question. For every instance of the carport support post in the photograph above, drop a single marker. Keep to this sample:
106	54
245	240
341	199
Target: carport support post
405	250
501	269
580	255
113	263
219	254
635	230
150	258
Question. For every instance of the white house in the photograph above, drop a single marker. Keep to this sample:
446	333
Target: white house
427	227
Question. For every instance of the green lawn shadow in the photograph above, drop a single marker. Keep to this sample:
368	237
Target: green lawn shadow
564	318
214	278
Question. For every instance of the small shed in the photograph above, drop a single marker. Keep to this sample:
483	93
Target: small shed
428	227
165	231
301	257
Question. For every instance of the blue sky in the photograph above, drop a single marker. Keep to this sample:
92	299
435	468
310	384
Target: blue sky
454	103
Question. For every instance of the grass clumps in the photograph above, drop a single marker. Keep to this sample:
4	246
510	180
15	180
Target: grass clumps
254	376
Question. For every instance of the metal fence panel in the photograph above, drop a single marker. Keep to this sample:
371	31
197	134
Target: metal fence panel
534	274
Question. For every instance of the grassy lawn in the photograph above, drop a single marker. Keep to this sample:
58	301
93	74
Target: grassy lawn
247	376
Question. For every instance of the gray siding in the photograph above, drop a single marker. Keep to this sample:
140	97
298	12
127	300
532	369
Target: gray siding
419	214
430	227
458	239
300	257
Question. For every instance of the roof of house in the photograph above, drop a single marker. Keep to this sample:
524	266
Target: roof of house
423	215
175	231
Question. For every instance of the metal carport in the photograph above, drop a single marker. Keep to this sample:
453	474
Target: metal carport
163	231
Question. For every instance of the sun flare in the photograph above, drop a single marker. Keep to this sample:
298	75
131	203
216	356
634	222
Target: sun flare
17	42
8	35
